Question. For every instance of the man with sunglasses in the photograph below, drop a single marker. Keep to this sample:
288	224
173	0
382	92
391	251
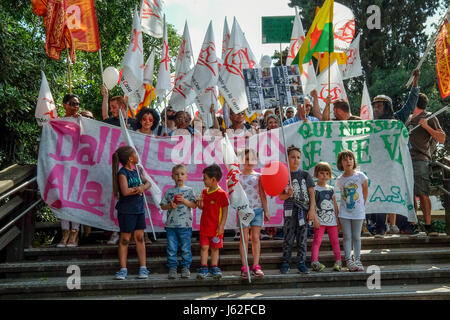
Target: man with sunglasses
290	113
303	110
115	104
238	124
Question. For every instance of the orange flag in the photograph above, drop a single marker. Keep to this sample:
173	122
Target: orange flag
82	23
443	59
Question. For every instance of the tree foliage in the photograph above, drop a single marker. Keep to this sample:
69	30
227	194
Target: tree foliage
22	57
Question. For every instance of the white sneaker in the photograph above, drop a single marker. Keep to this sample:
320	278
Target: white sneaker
393	229
114	238
237	236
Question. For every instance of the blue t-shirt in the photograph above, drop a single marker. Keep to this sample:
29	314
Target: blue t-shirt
130	204
181	216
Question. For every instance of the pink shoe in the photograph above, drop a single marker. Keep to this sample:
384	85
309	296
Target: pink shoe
257	271
244	272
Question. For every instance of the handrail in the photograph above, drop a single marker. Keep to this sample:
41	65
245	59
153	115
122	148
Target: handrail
441	165
17	188
20	216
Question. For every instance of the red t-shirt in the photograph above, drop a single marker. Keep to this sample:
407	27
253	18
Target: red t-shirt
213	202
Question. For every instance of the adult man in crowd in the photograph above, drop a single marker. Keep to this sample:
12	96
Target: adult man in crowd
115	104
383	110
422	142
303	111
290	113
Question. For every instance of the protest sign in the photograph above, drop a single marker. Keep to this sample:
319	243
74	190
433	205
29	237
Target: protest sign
74	165
265	86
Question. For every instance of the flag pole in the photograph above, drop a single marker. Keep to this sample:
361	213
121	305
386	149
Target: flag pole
101	63
245	251
431	44
430	117
68	68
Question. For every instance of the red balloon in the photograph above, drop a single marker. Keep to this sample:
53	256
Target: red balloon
274	178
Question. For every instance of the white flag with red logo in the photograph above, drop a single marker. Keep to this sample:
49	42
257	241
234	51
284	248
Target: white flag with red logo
138	96
366	112
183	94
163	83
133	61
238	57
151	18
205	101
45	106
343	27
206	71
353	67
337	89
225	41
308	77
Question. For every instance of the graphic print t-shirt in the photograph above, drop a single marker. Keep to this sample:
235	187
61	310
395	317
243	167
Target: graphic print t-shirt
181	216
352	201
325	206
301	181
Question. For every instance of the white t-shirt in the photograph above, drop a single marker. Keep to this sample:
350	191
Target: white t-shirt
250	184
352	200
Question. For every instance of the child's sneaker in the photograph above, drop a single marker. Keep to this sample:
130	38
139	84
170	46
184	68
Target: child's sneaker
337	266
114	238
317	266
172	273
202	273
285	268
215	272
302	268
257	271
351	265
122	274
143	273
244	272
185	273
359	265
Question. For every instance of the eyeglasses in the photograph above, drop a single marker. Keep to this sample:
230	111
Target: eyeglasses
290	111
74	104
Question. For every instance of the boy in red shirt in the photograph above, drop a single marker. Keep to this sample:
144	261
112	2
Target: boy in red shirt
214	203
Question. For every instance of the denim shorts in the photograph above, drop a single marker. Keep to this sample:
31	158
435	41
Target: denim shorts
258	220
131	222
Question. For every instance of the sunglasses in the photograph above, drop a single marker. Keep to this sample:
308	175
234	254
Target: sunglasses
74	104
290	112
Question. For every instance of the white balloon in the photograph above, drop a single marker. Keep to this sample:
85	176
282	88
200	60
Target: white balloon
110	77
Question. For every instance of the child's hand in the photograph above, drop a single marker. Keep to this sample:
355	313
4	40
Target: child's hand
266	217
200	201
140	189
311	215
220	230
290	191
173	205
181	199
316	223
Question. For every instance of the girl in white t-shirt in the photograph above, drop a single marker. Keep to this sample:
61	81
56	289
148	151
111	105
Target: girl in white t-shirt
352	212
251	183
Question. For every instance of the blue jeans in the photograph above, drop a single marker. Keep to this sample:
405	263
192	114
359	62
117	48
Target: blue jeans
180	236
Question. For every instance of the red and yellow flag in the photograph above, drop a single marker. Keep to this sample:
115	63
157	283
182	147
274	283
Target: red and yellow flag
71	23
320	37
443	59
82	23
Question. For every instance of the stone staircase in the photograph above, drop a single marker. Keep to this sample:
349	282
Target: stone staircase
410	268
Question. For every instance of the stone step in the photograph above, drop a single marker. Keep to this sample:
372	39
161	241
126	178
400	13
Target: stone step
431	291
158	249
394	275
228	262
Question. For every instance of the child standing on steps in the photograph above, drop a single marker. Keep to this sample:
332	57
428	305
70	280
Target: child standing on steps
327	214
251	183
352	212
179	201
130	207
299	207
214	205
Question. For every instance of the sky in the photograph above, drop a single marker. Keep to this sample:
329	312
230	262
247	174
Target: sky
198	14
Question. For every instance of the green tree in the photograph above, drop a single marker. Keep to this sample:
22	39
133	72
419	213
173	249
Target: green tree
22	57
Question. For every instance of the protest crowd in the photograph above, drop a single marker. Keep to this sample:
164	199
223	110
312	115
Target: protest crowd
309	201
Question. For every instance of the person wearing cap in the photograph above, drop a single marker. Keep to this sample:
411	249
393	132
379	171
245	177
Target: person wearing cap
383	110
